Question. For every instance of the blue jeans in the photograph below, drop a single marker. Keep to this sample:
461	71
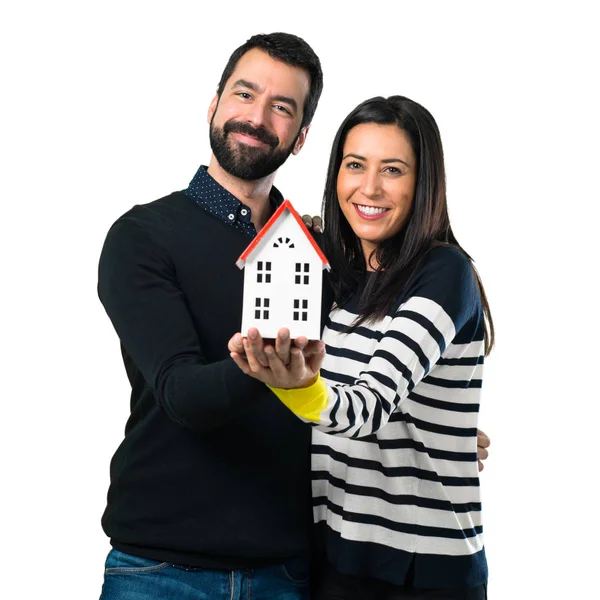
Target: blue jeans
128	577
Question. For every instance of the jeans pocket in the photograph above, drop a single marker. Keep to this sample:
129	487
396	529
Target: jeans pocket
120	563
297	571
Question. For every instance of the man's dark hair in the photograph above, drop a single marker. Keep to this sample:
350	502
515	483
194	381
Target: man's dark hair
291	50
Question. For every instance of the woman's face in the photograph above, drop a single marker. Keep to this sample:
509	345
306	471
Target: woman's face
376	182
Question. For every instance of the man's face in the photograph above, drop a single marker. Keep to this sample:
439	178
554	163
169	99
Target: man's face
255	124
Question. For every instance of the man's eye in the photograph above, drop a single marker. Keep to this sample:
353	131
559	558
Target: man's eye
281	108
244	95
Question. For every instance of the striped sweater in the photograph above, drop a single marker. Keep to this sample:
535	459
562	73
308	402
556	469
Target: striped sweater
394	453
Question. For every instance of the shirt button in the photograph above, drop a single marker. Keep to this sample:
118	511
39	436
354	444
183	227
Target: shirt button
231	217
244	211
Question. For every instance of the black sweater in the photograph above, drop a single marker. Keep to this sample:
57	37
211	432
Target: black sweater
213	470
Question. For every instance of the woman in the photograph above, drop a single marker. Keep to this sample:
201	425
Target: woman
394	402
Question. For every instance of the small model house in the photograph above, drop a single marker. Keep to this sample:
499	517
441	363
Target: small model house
283	278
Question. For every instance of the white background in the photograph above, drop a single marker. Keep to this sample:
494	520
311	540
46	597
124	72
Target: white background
103	105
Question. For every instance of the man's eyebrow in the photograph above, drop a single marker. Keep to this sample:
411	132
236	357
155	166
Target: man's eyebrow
385	160
248	84
256	88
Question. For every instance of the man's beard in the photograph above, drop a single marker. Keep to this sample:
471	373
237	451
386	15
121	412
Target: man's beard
247	162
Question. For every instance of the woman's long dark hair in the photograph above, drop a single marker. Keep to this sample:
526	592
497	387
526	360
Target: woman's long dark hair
427	226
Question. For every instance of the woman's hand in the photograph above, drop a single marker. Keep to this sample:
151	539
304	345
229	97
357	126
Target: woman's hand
281	366
305	358
313	223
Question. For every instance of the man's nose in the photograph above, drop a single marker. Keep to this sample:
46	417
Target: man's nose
257	114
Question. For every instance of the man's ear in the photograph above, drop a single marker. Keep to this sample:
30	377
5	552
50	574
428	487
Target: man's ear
301	139
212	107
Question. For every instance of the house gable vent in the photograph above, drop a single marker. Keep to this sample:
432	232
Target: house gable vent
283	242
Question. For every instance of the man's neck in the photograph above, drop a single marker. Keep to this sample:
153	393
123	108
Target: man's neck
254	194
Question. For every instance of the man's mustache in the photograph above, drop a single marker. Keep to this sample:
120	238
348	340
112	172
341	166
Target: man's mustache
260	133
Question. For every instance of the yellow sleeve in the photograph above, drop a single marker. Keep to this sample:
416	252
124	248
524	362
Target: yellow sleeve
307	402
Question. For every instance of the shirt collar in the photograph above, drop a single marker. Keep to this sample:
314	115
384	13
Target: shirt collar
219	202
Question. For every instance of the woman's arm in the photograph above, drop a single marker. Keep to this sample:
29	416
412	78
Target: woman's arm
442	298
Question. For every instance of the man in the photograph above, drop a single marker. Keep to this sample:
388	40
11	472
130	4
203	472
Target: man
209	494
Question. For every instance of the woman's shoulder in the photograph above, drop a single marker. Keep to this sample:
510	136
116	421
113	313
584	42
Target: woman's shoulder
447	259
447	278
442	267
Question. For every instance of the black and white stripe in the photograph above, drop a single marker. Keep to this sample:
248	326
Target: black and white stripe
395	452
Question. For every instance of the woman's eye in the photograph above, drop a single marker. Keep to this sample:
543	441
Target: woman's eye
354	165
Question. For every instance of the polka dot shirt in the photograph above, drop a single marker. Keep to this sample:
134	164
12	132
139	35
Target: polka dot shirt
217	201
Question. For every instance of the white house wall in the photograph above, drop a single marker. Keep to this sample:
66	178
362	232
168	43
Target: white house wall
282	291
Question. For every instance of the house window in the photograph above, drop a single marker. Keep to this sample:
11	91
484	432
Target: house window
261	303
285	242
263	272
300	314
301	278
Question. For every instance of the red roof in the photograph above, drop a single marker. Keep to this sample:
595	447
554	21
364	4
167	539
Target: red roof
286	204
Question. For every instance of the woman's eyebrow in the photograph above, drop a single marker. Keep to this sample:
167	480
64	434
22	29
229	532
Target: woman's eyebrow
385	160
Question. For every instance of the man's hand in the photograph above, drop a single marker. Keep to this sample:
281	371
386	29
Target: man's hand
313	223
305	359
236	345
283	346
483	442
312	353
